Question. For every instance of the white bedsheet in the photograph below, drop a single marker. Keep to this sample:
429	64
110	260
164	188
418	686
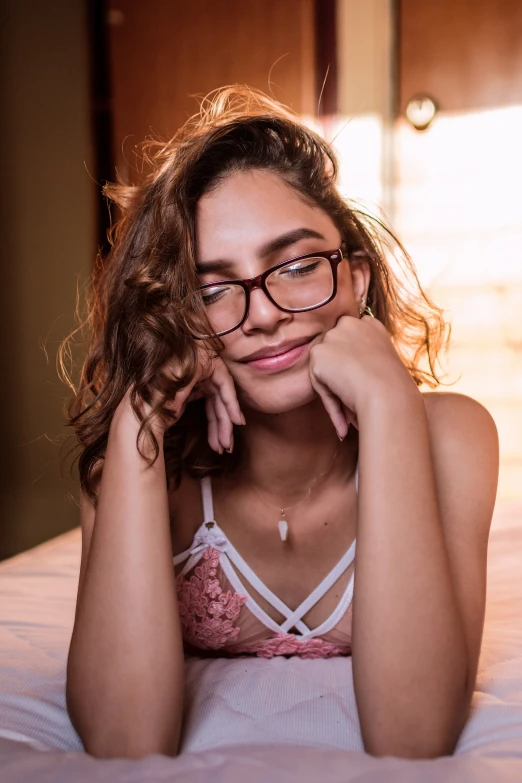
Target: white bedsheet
243	710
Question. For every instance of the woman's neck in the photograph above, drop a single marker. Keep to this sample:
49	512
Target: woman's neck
284	453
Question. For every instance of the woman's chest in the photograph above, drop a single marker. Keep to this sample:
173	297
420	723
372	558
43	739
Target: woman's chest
316	552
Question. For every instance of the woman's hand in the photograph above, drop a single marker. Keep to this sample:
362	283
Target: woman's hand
213	382
354	362
221	404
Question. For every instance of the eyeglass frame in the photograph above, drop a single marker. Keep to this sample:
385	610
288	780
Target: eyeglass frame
259	281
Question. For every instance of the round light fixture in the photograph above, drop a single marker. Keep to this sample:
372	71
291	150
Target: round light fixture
420	111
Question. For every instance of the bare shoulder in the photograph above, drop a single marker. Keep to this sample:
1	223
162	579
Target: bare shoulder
459	420
465	452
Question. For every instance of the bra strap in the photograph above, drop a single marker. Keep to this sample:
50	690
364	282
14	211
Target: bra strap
357	477
206	498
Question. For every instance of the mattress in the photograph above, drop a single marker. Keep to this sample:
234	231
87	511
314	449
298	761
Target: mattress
280	718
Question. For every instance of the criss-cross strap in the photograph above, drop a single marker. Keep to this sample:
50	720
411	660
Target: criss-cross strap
213	535
293	618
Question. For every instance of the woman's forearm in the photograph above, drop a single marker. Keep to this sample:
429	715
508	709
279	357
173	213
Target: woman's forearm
125	676
409	649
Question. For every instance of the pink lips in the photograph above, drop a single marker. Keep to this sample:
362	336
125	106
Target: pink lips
282	361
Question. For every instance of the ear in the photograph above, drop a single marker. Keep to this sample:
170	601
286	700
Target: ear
361	275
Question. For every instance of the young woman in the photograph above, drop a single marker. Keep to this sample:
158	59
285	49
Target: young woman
248	410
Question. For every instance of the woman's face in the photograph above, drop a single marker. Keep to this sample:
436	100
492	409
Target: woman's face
234	225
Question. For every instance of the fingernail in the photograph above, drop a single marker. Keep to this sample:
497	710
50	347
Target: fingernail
243	419
341	438
231	447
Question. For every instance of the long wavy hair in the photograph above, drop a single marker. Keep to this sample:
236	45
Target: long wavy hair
141	307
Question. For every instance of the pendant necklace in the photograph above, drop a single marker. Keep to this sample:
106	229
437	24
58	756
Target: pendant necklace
283	524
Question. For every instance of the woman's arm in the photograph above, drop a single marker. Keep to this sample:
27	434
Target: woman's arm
427	483
420	577
125	671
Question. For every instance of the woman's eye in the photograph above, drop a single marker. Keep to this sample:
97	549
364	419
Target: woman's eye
211	295
297	270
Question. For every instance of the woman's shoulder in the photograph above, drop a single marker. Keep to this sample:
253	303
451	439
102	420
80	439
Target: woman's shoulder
463	438
455	412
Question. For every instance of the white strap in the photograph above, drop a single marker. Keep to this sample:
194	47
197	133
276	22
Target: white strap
206	498
339	610
321	589
252	604
242	566
293	618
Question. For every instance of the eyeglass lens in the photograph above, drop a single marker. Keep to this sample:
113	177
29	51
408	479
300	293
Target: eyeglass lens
304	283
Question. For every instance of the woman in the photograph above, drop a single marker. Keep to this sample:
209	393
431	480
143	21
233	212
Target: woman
249	408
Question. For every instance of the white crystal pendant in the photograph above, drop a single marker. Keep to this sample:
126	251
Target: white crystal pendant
283	527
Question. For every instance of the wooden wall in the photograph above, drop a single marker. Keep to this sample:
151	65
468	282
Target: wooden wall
162	52
466	53
46	218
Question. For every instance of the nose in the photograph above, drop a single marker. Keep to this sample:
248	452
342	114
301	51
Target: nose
263	314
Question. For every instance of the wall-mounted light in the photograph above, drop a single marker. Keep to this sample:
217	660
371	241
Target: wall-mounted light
420	111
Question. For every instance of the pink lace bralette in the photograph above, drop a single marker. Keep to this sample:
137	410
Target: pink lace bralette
217	612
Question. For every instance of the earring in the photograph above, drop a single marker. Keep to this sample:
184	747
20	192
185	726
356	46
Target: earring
364	309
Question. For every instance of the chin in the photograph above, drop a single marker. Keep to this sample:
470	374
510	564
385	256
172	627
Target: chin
279	393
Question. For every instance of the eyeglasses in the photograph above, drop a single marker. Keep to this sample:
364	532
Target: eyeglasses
295	286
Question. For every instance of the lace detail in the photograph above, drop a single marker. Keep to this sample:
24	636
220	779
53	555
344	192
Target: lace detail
203	606
287	644
208	614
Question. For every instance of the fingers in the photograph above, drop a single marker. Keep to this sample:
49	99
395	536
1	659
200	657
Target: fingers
226	390
220	428
351	417
213	382
333	406
221	405
224	424
212	426
216	385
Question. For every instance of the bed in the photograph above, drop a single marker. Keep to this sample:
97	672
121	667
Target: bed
282	719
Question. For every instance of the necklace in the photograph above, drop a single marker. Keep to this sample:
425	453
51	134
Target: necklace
283	524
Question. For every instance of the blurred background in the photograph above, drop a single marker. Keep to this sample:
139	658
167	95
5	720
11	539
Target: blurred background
422	100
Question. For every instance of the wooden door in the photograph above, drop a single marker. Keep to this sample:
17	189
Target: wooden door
162	52
458	204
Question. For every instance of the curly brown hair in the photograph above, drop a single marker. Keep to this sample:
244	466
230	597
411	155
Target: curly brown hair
140	309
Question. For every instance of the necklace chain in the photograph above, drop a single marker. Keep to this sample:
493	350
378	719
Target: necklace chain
314	480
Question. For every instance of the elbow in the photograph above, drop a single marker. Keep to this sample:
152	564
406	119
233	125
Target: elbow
413	748
125	742
128	747
120	740
421	740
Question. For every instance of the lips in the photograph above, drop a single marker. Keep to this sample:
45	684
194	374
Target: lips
276	350
273	359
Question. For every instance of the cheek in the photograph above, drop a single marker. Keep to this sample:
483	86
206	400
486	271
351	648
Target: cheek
345	299
344	304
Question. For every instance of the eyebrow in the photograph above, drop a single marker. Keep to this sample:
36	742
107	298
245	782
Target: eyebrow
272	246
